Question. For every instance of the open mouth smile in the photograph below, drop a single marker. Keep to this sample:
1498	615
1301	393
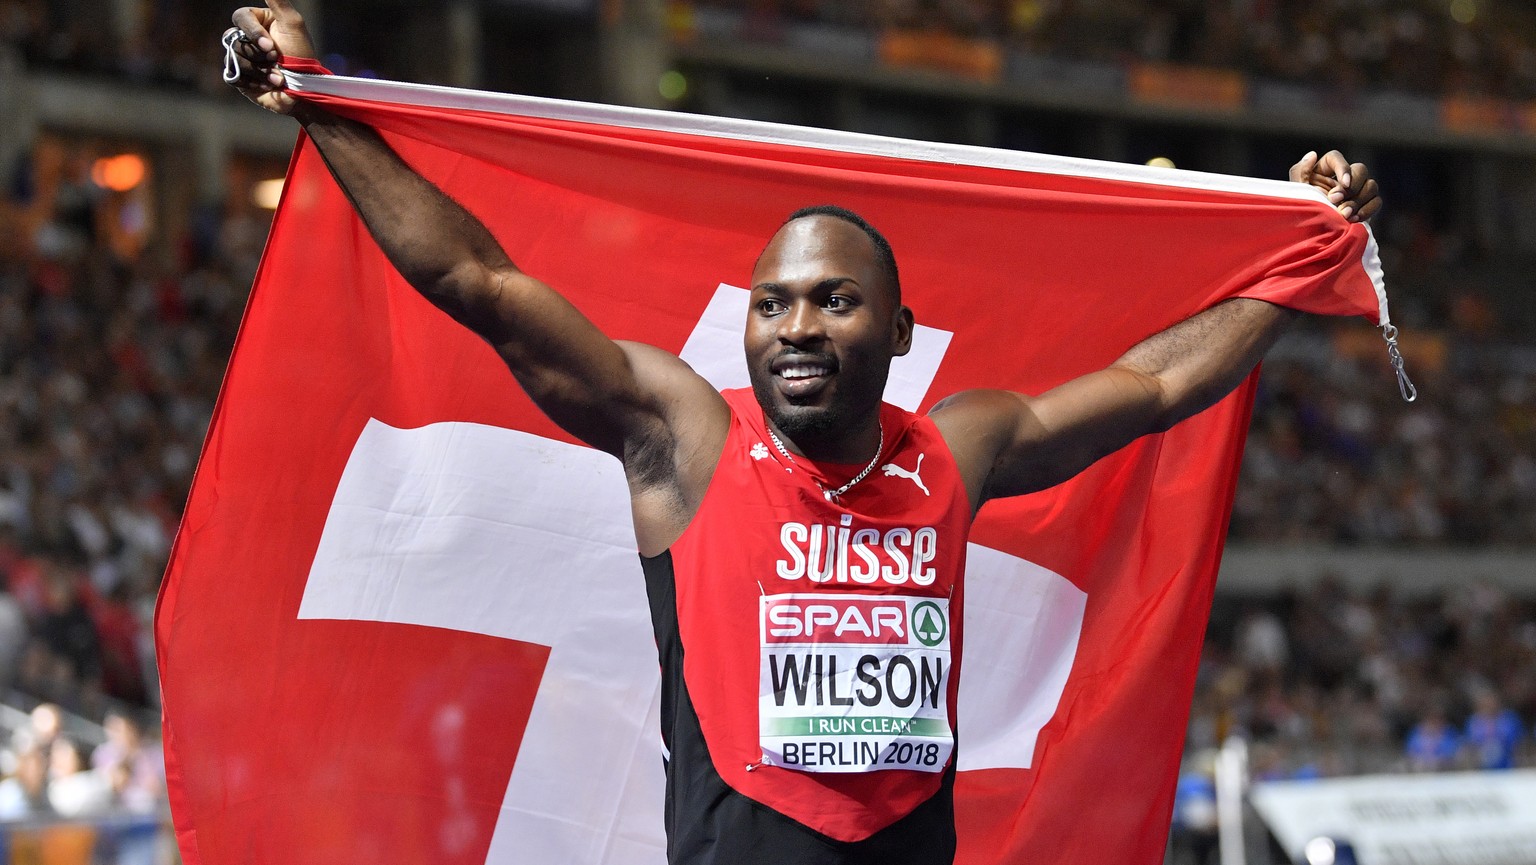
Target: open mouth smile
802	375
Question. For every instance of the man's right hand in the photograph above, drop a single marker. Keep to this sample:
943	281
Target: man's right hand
270	34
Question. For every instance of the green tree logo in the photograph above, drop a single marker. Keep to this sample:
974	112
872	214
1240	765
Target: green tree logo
929	624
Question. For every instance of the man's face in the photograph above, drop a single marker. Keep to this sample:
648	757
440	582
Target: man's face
822	329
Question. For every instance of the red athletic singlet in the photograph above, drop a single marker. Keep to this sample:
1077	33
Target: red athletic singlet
814	647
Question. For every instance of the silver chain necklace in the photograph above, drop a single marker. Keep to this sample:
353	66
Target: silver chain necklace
832	495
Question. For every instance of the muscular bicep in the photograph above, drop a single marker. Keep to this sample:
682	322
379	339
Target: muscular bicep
1027	443
614	396
1070	427
1010	444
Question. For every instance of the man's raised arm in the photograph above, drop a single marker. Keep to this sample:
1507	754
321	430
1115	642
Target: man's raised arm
1009	444
616	397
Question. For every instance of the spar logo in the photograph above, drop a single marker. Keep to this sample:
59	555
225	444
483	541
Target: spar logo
929	624
850	621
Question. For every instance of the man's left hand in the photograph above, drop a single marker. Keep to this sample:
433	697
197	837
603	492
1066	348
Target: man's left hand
1349	187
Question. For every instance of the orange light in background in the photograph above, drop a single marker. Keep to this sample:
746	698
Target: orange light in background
267	193
119	173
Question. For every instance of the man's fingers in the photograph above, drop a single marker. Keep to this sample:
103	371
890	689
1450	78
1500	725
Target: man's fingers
254	80
284	16
277	102
253	23
1370	208
1359	176
1368	201
1363	195
249	51
1301	172
1334	165
285	26
1364	204
257	75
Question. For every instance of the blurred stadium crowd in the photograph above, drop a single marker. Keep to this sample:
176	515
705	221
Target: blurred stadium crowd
52	774
1469	47
157	43
111	355
113	341
1336	456
1327	682
1476	47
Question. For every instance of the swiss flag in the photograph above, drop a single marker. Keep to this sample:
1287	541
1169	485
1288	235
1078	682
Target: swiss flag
404	620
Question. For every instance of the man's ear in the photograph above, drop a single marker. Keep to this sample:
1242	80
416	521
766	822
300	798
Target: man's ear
903	335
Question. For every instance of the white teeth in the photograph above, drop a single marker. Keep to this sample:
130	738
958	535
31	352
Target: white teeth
801	371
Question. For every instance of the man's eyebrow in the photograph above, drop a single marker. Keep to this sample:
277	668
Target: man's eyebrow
824	285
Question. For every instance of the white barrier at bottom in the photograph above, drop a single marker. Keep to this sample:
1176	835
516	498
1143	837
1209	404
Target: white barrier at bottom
1462	818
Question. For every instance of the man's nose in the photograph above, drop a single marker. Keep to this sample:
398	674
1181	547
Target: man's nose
801	324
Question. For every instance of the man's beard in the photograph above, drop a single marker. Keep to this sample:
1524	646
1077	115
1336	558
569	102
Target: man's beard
810	425
804	423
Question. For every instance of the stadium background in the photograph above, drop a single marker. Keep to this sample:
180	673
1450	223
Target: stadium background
1377	608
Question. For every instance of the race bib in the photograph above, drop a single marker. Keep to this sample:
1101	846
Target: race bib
854	683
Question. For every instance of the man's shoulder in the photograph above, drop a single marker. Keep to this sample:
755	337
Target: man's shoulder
979	414
979	426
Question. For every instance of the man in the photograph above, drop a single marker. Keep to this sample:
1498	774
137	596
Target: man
774	523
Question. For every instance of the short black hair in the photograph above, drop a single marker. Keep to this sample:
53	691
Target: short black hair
883	253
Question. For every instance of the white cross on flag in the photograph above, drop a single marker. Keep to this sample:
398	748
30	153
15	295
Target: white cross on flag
405	622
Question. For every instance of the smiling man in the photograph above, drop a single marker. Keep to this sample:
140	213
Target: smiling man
803	543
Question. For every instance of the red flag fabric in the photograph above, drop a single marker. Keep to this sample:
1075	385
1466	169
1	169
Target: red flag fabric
404	620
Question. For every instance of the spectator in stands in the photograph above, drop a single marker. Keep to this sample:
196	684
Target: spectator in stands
1493	733
24	795
108	368
1433	745
1357	717
1262	644
137	767
1483	49
44	726
73	789
66	627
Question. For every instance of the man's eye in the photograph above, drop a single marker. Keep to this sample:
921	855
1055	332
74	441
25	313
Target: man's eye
770	307
837	301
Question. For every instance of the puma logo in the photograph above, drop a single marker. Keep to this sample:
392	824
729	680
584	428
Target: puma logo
893	470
